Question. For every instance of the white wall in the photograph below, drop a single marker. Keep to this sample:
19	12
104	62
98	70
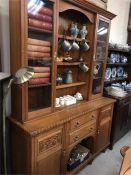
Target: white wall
4	35
119	24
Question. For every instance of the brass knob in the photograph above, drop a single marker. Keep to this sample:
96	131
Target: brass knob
76	138
77	124
92	117
91	129
98	132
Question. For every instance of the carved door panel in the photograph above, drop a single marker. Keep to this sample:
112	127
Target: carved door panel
48	152
103	134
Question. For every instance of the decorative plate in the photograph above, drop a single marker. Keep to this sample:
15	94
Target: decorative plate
120	71
108	73
113	72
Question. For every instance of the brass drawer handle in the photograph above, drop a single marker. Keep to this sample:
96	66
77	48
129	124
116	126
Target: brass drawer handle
92	117
76	138
91	129
77	124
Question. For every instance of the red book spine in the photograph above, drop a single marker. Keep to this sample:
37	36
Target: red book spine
46	11
39	42
41	17
40	25
39	81
34	48
38	54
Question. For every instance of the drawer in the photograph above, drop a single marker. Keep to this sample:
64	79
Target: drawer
78	122
106	112
82	132
48	142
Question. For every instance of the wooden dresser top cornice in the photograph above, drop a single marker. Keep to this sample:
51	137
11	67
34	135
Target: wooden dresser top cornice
85	4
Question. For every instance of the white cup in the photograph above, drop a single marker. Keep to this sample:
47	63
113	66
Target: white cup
57	102
62	101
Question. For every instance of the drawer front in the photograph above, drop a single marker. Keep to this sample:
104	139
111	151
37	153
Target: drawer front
82	132
49	142
106	112
78	122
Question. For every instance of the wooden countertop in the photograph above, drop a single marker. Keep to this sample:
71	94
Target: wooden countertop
37	126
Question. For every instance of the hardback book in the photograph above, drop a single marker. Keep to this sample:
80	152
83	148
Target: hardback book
41	69
39	81
40	25
39	42
41	75
38	54
46	11
40	17
34	48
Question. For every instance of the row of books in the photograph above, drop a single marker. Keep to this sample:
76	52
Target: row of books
42	20
38	49
41	76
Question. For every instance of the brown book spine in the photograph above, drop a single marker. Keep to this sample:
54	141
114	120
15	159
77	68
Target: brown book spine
38	54
41	17
41	69
39	81
46	11
40	25
38	42
41	75
34	48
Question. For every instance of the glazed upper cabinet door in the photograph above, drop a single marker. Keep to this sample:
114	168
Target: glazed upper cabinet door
32	29
100	56
40	52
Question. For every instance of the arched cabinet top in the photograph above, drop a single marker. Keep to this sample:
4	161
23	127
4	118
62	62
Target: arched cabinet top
86	7
64	6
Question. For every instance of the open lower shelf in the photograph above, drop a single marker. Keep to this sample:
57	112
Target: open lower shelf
70	85
80	165
118	50
71	38
40	30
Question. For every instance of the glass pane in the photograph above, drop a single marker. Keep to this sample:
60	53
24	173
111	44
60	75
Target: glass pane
102	32
96	86
39	51
101	46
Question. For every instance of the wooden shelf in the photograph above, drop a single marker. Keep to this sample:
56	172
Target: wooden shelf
71	38
70	85
95	78
118	50
101	41
68	63
118	64
112	80
39	85
34	29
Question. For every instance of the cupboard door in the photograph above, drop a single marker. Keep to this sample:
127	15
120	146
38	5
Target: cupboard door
48	152
50	164
103	134
100	55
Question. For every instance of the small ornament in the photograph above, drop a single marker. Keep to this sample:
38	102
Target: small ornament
74	30
83	32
